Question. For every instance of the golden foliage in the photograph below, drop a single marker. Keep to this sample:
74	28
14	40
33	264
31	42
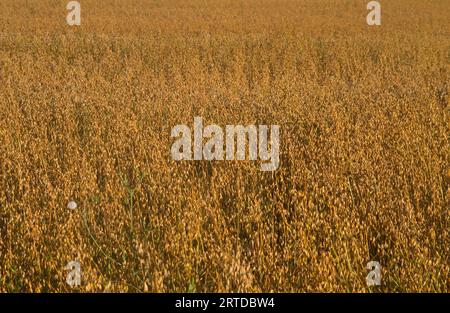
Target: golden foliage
86	113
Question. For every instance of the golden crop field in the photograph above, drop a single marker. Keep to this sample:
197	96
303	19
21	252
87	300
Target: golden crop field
86	114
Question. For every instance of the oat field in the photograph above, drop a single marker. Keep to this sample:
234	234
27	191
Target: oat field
86	113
